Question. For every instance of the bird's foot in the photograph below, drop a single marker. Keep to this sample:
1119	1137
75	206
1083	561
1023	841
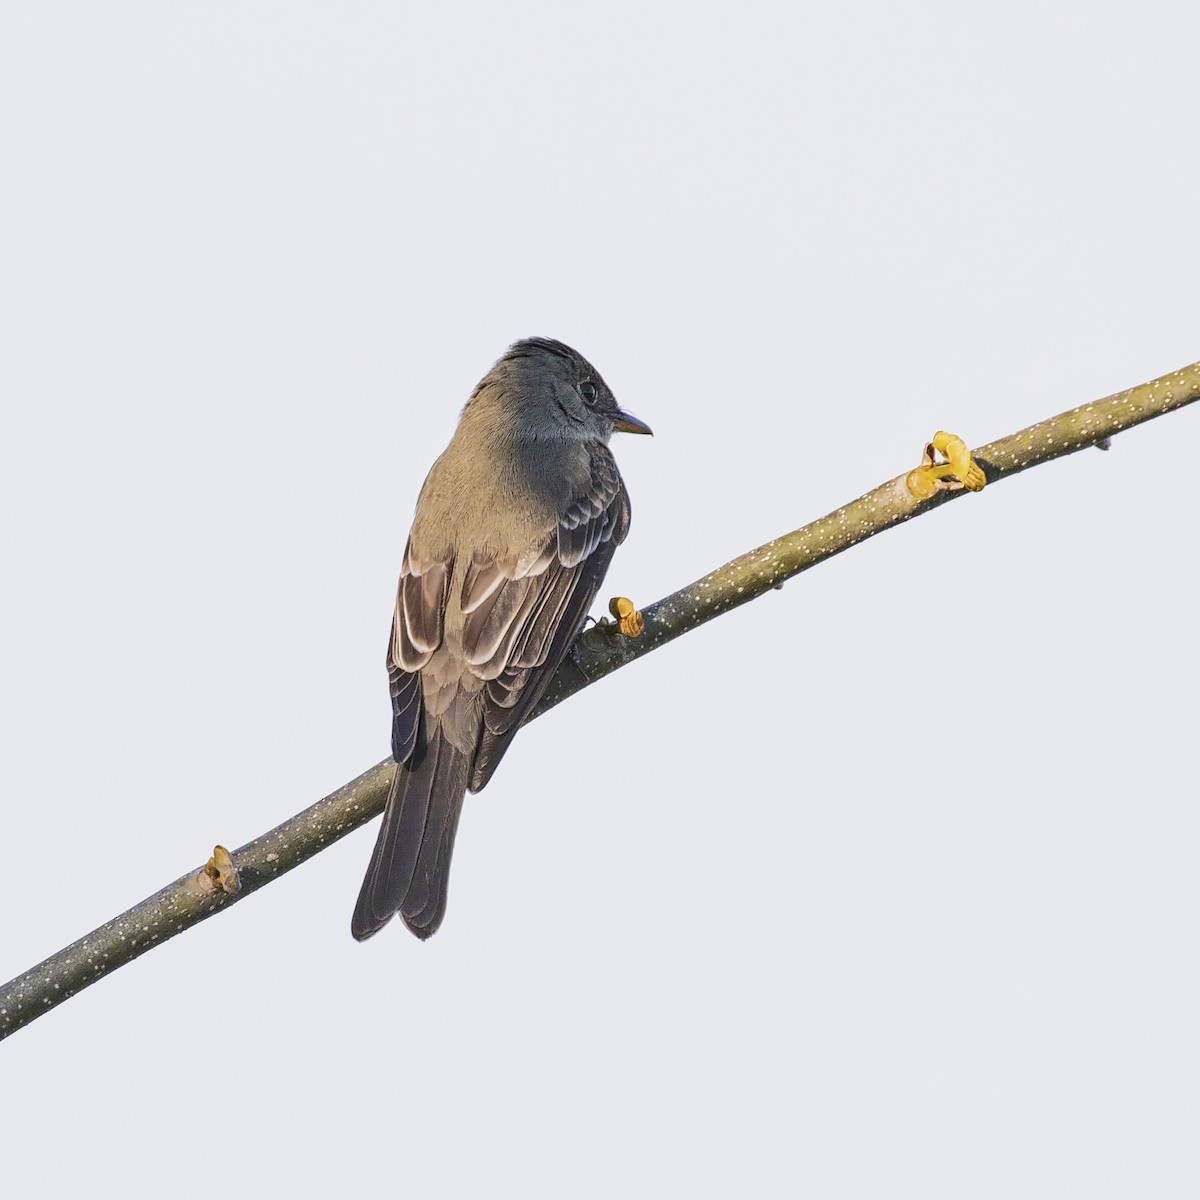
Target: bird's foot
222	873
575	654
957	470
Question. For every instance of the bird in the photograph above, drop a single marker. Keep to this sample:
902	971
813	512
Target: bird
514	529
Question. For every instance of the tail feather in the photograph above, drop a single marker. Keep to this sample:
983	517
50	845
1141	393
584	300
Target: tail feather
425	903
410	864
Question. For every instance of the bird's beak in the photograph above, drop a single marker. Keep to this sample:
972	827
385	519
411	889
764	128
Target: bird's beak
625	422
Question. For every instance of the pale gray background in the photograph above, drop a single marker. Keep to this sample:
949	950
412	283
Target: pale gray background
883	886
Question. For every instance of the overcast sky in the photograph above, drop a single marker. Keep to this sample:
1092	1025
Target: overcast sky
884	885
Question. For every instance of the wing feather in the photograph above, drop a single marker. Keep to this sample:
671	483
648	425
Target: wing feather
584	541
418	625
406	711
520	615
488	632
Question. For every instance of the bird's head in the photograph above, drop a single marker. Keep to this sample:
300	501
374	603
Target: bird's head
553	391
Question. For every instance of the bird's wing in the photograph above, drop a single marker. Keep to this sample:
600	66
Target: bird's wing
523	613
520	614
417	628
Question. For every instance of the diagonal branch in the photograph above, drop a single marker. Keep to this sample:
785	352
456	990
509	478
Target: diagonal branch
598	652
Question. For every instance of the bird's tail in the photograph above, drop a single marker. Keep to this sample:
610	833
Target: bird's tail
410	865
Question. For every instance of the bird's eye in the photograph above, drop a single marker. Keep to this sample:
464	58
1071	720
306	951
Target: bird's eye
587	389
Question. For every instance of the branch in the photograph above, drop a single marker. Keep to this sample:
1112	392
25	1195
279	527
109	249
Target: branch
597	653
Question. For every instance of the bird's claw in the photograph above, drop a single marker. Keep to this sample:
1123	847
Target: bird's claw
957	470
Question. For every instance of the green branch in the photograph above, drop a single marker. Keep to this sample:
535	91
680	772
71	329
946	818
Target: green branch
598	652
